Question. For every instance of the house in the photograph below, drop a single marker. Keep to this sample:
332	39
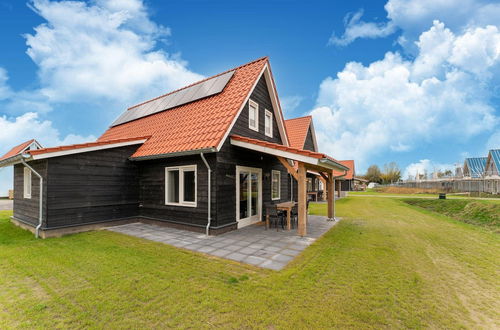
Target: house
474	167
208	157
492	172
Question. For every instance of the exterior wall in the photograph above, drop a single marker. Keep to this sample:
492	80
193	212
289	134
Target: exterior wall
261	96
92	187
152	191
27	209
309	142
230	156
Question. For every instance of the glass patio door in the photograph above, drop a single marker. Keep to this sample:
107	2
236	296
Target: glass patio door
249	195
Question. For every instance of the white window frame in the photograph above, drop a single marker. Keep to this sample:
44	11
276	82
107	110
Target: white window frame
27	186
270	115
254	104
279	185
182	169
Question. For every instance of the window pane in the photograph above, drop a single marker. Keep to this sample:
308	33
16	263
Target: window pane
275	185
189	186
251	116
268	126
173	186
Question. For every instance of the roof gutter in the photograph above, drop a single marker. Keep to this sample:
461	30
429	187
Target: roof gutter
40	206
17	159
333	165
174	154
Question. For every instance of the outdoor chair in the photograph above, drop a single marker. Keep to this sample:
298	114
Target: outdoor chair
294	217
275	217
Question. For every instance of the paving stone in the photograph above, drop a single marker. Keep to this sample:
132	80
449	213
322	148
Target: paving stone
206	249
236	256
282	258
220	252
290	252
271	264
253	260
247	250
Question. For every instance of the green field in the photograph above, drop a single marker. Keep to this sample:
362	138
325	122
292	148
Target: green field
386	264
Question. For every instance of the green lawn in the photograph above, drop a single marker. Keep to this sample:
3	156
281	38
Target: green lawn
477	212
386	264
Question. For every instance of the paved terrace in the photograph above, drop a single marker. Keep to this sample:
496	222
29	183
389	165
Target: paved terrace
252	245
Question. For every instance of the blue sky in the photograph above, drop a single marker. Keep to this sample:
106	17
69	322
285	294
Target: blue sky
410	81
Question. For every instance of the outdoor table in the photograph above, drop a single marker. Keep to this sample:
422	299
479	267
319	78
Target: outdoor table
286	206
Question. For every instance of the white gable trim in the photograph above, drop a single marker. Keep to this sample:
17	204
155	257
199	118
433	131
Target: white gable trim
86	149
313	133
274	101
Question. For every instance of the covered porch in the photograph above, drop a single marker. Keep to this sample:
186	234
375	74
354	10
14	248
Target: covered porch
298	162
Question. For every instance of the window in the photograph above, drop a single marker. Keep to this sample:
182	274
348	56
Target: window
275	185
269	123
309	184
253	115
180	185
27	183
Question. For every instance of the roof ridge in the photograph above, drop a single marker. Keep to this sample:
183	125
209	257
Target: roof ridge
199	82
308	116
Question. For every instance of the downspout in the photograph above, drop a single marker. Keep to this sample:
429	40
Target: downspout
209	220
40	211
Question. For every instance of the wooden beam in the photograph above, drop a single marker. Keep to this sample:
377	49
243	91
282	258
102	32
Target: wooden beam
302	199
324	176
289	168
330	195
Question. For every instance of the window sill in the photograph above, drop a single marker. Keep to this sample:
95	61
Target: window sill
181	204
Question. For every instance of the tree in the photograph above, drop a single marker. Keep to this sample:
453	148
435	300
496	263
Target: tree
373	174
392	173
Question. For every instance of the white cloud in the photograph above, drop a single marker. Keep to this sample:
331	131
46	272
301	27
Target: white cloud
28	126
425	166
290	103
412	17
395	104
102	49
355	28
493	141
5	91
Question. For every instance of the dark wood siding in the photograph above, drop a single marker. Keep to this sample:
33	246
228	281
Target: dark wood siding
227	160
260	95
230	156
152	191
92	187
27	209
309	143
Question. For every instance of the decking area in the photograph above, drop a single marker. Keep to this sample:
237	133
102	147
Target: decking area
252	244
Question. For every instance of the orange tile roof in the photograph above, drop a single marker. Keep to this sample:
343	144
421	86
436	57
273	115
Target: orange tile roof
350	173
297	129
299	151
82	145
198	125
17	149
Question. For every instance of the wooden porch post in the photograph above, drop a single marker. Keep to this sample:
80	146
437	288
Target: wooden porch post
302	200
331	195
324	197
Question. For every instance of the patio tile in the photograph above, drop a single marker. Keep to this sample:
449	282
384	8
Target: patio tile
236	256
206	249
274	265
247	250
290	252
253	260
252	245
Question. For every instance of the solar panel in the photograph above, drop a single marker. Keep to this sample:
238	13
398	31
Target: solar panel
201	90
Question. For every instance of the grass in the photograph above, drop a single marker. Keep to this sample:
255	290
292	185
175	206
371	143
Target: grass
385	265
481	213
